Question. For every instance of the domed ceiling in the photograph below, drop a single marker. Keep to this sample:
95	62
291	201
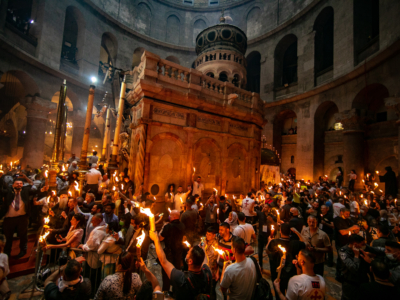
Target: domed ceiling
204	3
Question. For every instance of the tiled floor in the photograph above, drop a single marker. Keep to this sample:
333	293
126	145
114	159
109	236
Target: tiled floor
333	287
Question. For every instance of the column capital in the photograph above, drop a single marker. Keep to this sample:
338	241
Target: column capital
78	118
39	108
393	103
351	120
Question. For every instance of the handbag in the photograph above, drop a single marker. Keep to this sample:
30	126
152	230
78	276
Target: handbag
262	290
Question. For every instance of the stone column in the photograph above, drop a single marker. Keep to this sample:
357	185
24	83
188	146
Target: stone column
353	145
78	127
38	111
393	103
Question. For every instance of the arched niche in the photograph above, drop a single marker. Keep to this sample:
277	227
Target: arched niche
143	18
198	26
108	53
137	56
253	21
285	67
173	28
324	124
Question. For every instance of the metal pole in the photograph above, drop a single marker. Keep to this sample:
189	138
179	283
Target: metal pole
106	137
83	164
113	161
57	137
64	133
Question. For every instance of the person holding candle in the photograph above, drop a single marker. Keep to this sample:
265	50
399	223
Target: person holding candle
265	220
190	218
198	187
306	284
248	208
275	254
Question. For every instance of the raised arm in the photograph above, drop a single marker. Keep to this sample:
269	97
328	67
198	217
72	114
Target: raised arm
167	266
149	276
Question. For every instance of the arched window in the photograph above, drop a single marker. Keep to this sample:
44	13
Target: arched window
286	61
19	14
173	30
253	72
236	80
211	74
366	29
143	19
198	26
254	25
73	40
223	77
323	53
108	53
137	56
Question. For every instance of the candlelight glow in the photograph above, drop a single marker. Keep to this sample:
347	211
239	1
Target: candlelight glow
187	244
42	238
377	172
46	173
219	251
363	181
349	233
194	170
76	185
372	192
116	179
218	211
272	227
46	220
381	191
169	210
365	202
282	248
53	193
376	184
113	188
181	200
63	168
140	239
216	191
146	211
122	187
69	193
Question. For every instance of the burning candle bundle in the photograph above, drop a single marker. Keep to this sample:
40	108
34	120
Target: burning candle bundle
283	260
376	185
42	238
169	210
216	191
69	193
122	187
116	179
222	253
148	212
76	186
140	239
46	174
187	244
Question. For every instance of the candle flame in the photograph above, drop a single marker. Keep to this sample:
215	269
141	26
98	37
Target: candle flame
363	181
46	173
169	210
372	192
216	191
140	239
377	172
42	238
282	248
69	193
366	203
187	244
122	187
146	211
76	185
376	184
381	191
272	227
116	179
53	192
226	195
46	220
181	200
219	251
113	188
194	170
349	233
218	211
63	168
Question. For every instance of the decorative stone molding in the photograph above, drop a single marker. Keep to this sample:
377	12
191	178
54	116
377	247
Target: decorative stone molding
168	113
209	121
351	120
393	103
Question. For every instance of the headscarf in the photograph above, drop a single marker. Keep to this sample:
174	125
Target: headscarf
234	219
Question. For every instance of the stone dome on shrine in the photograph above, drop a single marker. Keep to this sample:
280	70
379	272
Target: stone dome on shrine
221	53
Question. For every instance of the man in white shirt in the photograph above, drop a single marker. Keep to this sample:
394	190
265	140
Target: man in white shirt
239	277
93	242
93	177
244	231
198	187
180	198
103	185
305	285
93	218
354	207
337	206
248	208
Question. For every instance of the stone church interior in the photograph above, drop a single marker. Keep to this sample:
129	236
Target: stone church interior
239	92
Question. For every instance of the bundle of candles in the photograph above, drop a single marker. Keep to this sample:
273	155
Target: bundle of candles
283	260
148	212
42	238
224	254
140	239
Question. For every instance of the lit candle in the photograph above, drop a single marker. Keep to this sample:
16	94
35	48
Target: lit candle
278	217
140	239
283	260
122	187
272	230
187	244
169	210
377	172
148	212
46	173
216	191
194	170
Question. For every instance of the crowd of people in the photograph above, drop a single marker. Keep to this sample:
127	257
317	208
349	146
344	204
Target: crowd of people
203	241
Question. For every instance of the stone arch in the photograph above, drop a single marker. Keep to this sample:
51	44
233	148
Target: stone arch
108	49
284	142
285	58
143	18
73	40
253	22
167	157
173	29
137	56
198	26
370	103
253	71
323	46
207	161
223	76
173	59
323	121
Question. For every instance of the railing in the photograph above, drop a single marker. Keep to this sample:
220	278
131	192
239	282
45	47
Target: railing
219	55
154	69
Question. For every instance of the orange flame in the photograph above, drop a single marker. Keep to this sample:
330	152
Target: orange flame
169	210
187	244
46	220
216	191
282	248
140	239
219	251
146	211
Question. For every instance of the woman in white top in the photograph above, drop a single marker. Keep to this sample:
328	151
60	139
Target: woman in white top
232	220
74	236
170	196
352	180
109	247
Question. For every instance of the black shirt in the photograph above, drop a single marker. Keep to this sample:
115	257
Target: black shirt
173	233
274	253
285	212
375	290
297	223
263	221
189	219
79	291
340	224
328	218
224	215
187	285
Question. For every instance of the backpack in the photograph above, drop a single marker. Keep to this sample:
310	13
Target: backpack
262	290
200	292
